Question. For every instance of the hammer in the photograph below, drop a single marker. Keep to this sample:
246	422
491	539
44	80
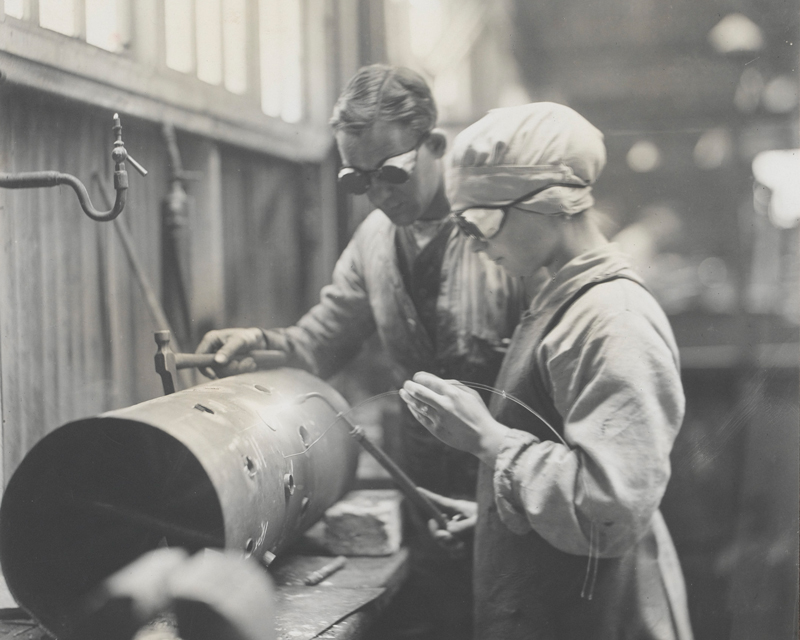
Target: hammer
168	362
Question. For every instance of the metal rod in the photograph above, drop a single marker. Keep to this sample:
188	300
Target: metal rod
404	483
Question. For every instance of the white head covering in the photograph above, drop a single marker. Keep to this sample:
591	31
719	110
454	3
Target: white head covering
513	151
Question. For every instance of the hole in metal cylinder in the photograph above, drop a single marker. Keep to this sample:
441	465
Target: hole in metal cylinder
201	407
249	545
304	435
262	388
250	466
288	483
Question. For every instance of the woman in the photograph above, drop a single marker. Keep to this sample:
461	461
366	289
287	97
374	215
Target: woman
570	543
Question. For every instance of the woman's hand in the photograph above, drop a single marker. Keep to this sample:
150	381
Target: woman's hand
461	518
455	414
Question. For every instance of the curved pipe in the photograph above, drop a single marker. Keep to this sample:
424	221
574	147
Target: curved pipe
38	179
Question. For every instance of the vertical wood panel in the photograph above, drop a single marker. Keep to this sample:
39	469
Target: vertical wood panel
75	335
5	241
207	228
262	240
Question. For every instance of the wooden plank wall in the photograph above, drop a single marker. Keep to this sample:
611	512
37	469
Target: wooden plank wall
76	338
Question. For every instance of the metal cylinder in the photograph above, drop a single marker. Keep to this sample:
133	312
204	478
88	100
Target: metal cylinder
247	462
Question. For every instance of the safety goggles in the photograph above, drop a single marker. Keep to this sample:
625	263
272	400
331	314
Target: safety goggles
392	170
484	222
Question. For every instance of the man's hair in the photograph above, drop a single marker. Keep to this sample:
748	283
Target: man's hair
381	92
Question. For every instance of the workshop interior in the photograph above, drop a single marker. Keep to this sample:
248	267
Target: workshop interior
167	168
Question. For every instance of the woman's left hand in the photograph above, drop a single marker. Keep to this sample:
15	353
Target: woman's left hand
455	414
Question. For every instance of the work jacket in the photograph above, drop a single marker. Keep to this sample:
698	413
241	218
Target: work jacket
570	544
477	307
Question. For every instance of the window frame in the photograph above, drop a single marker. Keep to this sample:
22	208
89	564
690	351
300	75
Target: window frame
138	83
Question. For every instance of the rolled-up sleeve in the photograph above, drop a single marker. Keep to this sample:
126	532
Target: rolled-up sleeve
618	387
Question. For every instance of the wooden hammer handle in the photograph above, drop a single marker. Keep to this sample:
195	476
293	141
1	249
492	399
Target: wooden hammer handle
264	359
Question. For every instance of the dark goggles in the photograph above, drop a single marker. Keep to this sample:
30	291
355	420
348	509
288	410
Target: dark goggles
483	223
480	224
393	170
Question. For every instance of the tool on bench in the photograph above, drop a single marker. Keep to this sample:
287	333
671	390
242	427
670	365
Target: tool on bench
168	362
326	571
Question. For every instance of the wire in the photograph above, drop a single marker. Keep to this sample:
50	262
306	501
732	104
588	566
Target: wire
587	591
475	385
503	394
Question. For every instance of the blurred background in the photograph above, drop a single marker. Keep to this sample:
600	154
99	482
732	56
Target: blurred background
239	222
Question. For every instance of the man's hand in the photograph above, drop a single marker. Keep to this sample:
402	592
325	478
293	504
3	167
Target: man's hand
231	347
455	414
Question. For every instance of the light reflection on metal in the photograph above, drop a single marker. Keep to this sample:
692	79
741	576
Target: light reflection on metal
97	493
38	179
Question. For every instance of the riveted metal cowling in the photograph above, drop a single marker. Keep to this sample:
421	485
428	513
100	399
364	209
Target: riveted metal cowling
247	463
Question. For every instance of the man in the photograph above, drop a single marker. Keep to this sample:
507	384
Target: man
569	543
408	274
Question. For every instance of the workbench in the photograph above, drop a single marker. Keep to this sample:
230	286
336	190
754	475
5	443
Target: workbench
341	607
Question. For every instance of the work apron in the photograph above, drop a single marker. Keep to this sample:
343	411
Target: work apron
524	587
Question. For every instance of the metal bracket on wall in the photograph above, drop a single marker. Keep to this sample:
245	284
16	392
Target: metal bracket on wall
38	179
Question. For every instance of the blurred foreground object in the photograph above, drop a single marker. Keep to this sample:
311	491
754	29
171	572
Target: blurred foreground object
222	596
129	598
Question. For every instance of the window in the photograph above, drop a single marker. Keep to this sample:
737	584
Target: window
281	46
211	40
102	23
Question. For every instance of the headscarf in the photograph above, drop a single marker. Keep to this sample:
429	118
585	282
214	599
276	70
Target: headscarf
515	150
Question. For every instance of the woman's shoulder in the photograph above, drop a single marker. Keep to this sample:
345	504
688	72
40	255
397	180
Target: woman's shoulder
619	308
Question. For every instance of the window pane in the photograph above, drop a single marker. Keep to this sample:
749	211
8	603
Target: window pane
15	8
280	29
105	24
234	37
270	49
58	15
292	108
178	26
209	41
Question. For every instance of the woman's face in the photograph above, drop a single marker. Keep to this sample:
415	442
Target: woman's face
525	243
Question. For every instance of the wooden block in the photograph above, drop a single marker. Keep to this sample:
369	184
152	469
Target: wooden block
365	523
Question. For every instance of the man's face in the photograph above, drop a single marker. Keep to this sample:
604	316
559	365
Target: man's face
403	203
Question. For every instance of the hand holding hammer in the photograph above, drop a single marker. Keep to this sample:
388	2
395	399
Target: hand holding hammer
168	363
